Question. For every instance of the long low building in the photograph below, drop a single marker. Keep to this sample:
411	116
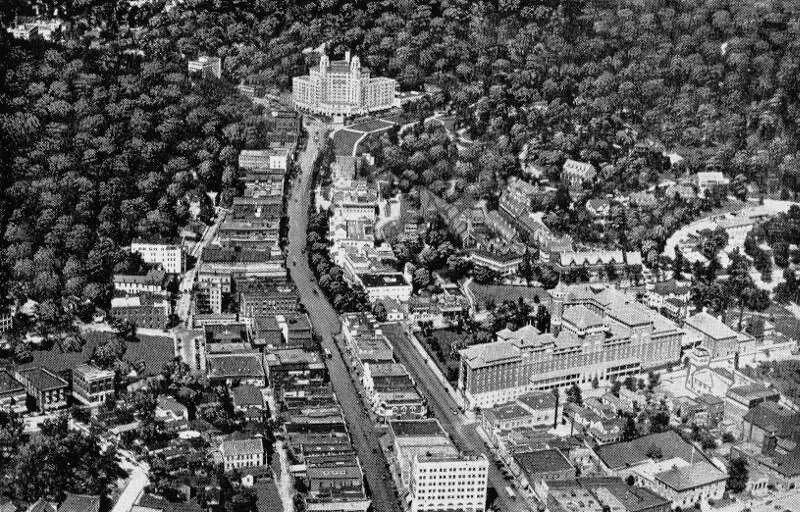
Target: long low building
597	332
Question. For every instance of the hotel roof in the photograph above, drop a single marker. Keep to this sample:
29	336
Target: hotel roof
692	476
582	317
710	326
487	354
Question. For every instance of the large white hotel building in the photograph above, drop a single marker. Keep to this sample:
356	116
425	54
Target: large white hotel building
342	88
597	332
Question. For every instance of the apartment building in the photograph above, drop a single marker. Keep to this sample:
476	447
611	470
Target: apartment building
169	255
342	88
154	282
597	332
260	159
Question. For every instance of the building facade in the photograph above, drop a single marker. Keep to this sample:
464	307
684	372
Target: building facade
596	332
91	385
47	389
169	256
342	88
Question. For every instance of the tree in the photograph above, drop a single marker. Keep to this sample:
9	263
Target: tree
574	394
738	474
484	275
629	432
379	310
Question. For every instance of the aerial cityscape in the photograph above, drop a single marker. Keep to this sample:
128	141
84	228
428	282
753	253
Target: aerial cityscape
399	256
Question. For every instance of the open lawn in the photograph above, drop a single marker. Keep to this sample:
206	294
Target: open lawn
345	141
154	351
438	346
501	292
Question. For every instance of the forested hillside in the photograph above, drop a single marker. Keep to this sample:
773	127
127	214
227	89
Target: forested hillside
104	135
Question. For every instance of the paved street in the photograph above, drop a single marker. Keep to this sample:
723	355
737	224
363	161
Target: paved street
446	411
326	324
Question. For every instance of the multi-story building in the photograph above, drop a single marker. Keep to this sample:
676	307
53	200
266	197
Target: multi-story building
153	282
685	484
169	255
536	409
240	367
578	174
342	88
365	339
208	66
142	310
599	494
436	475
712	334
12	394
241	262
288	365
260	159
596	332
505	263
594	261
91	385
262	297
391	391
242	453
517	198
47	389
382	286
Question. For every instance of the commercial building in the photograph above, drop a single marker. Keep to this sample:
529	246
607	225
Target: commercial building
769	419
342	88
536	409
436	475
599	494
207	66
242	453
685	484
365	339
12	394
392	392
241	262
243	367
536	466
169	255
91	385
45	387
294	366
261	159
143	310
594	261
597	332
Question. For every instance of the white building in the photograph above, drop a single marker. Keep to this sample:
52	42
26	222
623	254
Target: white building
685	484
342	88
436	475
273	159
385	286
91	385
242	453
206	65
710	179
448	482
169	256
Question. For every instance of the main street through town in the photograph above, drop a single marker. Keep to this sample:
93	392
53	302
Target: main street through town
446	411
326	324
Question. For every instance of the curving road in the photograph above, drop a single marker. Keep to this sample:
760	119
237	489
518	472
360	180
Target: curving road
326	324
